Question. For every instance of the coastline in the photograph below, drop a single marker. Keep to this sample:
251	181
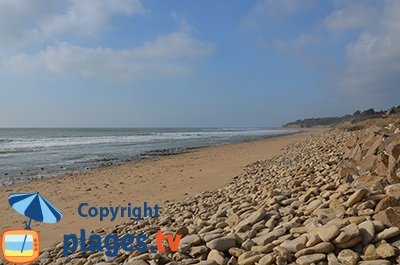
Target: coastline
154	179
104	147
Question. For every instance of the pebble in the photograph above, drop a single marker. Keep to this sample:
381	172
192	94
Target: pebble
386	250
387	233
310	259
318	202
222	243
348	257
267	260
367	231
328	233
295	244
217	256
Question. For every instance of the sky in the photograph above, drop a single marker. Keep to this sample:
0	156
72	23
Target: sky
241	63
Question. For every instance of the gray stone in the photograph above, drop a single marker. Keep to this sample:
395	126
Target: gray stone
327	233
357	196
367	231
222	243
348	257
310	259
217	256
296	244
267	260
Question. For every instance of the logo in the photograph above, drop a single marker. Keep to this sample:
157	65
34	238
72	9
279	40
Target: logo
111	244
22	246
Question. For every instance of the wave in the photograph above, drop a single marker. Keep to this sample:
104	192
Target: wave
28	144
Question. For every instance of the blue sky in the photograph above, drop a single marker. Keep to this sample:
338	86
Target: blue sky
124	63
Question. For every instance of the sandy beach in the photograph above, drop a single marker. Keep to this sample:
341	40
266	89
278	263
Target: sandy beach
153	180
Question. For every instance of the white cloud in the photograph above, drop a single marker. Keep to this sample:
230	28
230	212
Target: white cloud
273	9
167	55
25	21
366	31
295	44
350	15
373	58
27	25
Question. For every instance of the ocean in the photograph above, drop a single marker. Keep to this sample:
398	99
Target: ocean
38	153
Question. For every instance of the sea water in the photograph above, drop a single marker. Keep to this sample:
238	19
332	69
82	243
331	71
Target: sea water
15	246
32	153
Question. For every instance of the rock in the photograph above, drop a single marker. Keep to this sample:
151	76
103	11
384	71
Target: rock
349	244
236	252
271	236
313	240
387	233
282	252
204	262
222	243
357	196
267	260
232	261
367	231
389	217
386	250
328	233
249	258
198	250
310	259
295	245
312	206
217	256
246	224
308	205
348	257
132	262
374	262
330	214
189	241
370	253
347	233
324	247
264	249
332	259
248	244
387	202
281	261
393	191
183	231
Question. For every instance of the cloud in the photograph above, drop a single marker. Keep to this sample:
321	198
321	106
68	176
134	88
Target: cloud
366	32
52	24
26	21
373	58
350	16
273	9
296	44
167	55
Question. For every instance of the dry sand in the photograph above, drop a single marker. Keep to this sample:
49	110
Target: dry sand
154	180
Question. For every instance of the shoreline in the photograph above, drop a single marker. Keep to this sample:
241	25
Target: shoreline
107	162
154	180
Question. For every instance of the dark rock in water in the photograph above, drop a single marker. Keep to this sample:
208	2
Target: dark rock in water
6	174
42	168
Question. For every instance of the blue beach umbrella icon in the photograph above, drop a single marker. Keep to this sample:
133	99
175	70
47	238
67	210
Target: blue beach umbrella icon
35	207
